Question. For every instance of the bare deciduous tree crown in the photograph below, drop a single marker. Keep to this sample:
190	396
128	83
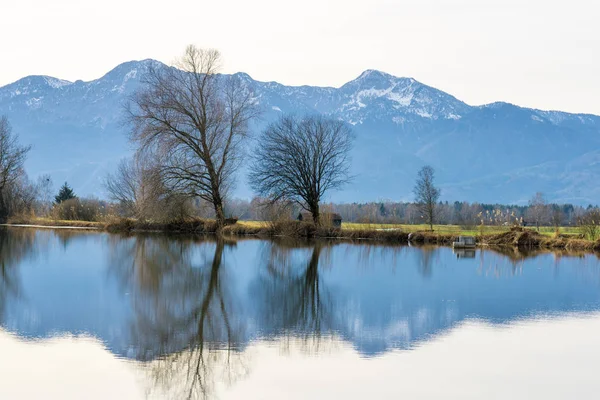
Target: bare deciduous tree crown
426	194
12	154
193	121
300	159
12	158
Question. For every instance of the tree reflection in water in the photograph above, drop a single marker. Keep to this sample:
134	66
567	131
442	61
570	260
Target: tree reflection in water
293	302
185	317
425	256
15	246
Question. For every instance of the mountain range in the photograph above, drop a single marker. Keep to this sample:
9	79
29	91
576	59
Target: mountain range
494	153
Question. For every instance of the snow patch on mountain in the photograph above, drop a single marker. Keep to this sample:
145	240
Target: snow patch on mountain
34	102
536	118
57	83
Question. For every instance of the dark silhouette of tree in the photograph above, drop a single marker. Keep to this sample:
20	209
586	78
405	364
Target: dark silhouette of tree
194	121
65	193
427	195
301	159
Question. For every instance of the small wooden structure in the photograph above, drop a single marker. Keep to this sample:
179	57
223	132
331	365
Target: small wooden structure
327	219
464	242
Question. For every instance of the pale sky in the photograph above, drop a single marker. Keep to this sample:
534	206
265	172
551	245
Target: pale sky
536	53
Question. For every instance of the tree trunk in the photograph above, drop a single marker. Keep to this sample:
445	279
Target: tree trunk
316	215
219	215
3	209
218	205
430	216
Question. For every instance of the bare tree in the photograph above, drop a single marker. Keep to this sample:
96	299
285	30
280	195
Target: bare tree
12	158
124	185
140	192
427	195
194	120
300	159
538	210
135	186
44	191
21	195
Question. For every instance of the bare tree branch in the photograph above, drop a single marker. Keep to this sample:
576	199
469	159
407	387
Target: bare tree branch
12	158
195	121
301	159
427	195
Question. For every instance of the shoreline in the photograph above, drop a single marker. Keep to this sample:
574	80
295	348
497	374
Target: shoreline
87	228
517	237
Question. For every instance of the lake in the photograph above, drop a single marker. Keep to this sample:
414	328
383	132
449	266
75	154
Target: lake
93	315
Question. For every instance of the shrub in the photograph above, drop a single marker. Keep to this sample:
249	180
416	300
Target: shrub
590	224
77	209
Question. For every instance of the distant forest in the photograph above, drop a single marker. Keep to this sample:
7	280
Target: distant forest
457	213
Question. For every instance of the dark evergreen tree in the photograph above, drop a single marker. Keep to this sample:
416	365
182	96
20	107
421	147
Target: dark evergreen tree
382	210
65	193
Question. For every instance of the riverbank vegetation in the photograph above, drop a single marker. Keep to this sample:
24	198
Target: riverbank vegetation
570	240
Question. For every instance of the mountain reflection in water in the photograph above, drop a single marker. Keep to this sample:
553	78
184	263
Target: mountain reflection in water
189	308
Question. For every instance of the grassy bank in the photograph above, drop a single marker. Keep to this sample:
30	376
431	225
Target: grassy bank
457	230
527	238
447	230
568	239
55	223
295	229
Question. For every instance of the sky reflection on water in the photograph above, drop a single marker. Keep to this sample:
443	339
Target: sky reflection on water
553	358
181	317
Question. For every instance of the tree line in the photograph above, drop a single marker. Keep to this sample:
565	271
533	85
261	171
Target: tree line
464	214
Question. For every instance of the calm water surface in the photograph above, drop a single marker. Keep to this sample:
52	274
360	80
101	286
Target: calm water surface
94	316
